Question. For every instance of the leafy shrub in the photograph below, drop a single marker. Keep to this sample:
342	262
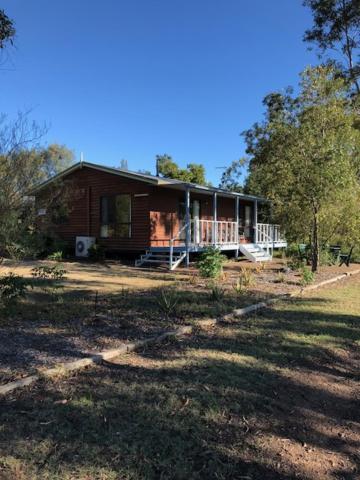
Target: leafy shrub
12	287
167	301
56	256
327	258
45	272
307	276
217	292
244	281
96	252
292	250
15	251
211	263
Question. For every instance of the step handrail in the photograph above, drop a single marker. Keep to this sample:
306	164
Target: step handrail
171	243
269	239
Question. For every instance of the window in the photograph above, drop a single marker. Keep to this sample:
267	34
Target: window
115	216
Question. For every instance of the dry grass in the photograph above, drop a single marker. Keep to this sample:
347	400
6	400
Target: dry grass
269	397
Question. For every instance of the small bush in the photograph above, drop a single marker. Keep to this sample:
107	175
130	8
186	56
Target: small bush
307	276
167	301
244	281
15	251
296	263
217	292
211	263
327	258
96	252
280	278
56	256
49	273
12	288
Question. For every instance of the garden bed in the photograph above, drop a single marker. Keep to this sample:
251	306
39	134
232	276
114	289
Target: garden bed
270	397
100	306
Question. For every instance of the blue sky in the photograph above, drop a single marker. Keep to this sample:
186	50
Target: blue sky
134	78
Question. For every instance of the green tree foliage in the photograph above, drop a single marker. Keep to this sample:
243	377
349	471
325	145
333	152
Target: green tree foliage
337	27
233	177
23	165
53	159
7	30
193	173
305	158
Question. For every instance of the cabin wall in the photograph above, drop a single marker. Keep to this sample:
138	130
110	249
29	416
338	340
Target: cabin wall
164	212
155	211
87	186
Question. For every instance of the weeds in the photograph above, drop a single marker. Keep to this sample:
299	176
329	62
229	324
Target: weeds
244	281
45	272
217	292
167	301
56	256
281	278
12	288
307	276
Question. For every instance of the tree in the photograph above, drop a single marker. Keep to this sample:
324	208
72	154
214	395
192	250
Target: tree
193	173
54	159
233	177
7	30
23	165
337	27
305	158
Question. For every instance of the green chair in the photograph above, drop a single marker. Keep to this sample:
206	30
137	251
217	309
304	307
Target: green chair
345	258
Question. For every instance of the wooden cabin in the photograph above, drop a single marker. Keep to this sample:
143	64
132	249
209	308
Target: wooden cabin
164	220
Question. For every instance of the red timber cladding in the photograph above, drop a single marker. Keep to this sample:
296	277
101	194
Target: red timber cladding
89	185
164	212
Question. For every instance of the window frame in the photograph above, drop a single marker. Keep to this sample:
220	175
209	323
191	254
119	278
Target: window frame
115	225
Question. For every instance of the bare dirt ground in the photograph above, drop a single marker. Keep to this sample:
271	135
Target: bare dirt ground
268	397
100	306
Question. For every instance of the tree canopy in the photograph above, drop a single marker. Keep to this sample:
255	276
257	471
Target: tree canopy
337	27
7	30
305	155
23	165
193	173
232	178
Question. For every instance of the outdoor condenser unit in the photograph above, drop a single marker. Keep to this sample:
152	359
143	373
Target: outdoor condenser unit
82	246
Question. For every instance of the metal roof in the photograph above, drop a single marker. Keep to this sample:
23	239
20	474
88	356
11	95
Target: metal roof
150	179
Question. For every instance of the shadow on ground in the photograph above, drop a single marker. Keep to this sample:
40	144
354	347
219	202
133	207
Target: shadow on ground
272	397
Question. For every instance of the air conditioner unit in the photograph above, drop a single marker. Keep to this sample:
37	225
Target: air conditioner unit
82	246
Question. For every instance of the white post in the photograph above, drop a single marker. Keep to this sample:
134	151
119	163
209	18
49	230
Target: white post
255	219
171	254
237	227
215	218
187	221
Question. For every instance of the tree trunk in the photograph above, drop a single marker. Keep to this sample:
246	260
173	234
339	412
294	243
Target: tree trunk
349	52
315	242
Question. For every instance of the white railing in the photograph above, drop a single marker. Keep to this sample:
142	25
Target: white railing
268	235
265	232
209	232
171	245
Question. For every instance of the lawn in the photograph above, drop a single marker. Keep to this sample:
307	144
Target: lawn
267	397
